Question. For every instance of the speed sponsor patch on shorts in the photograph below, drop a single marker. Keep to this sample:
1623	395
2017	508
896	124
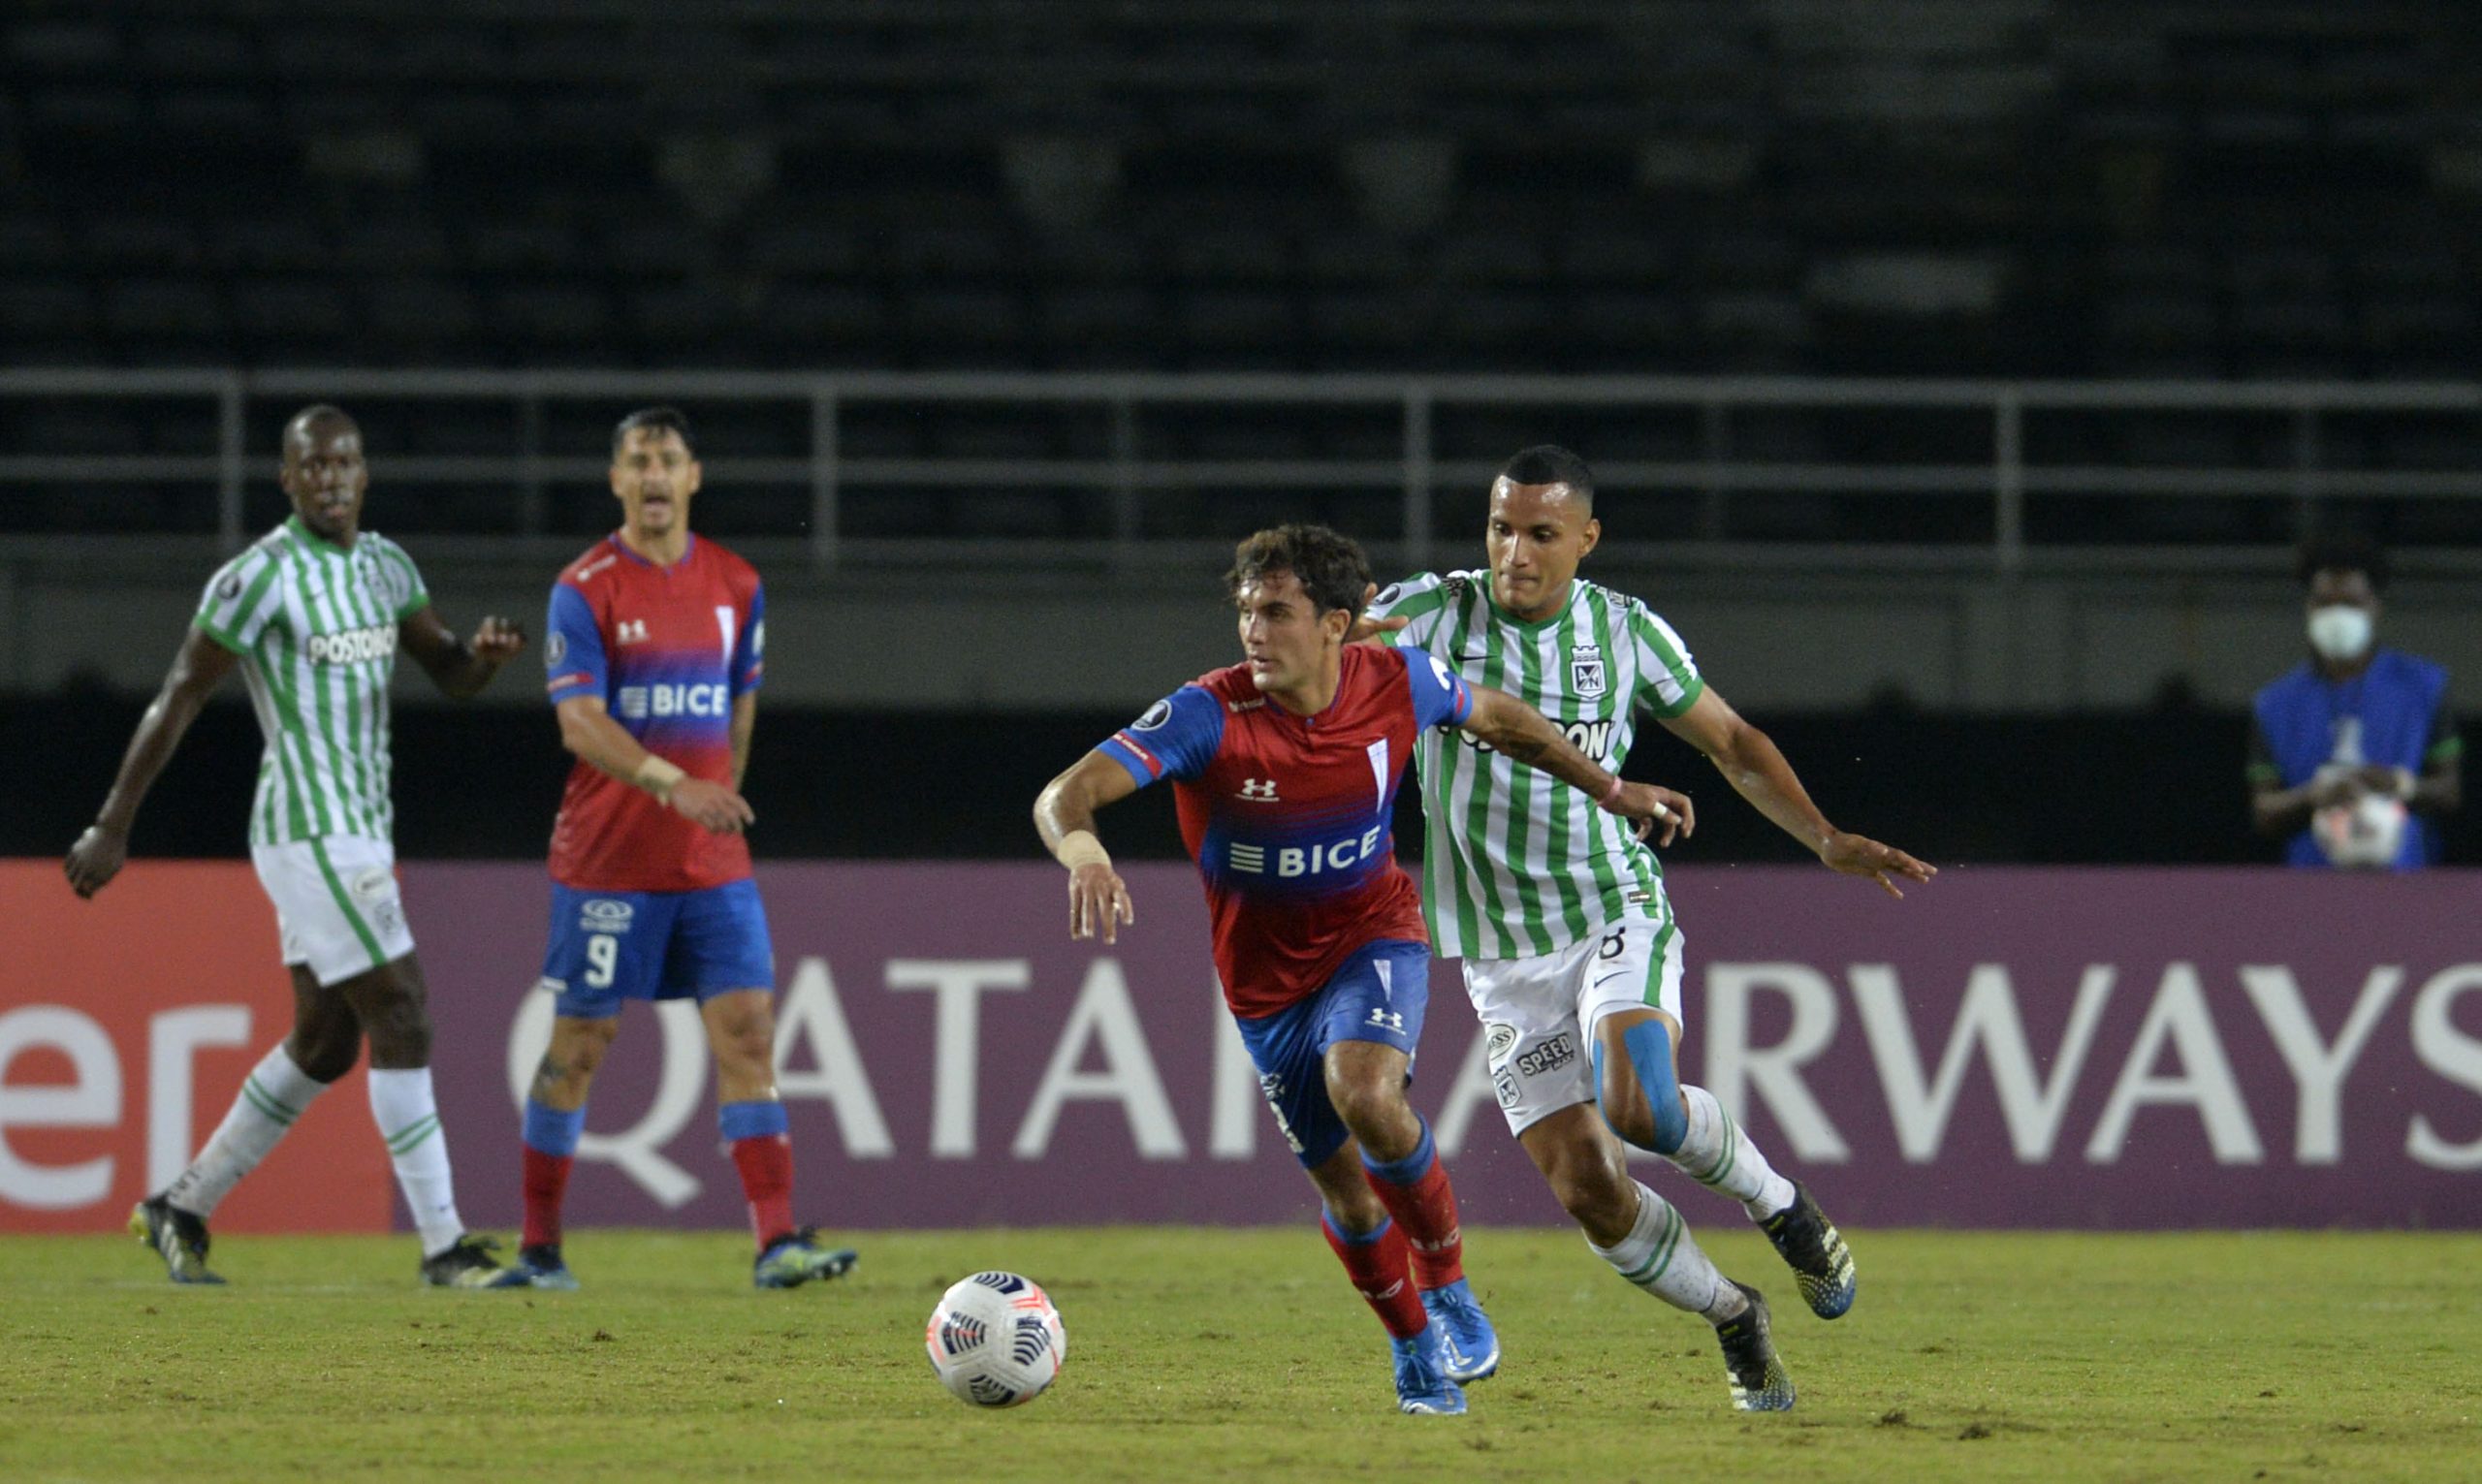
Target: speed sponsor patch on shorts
1553	1053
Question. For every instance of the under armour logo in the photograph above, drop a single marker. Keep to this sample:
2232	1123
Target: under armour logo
1392	1020
632	631
1259	788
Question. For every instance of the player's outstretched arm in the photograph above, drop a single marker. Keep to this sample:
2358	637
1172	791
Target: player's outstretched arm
1750	762
459	668
196	669
587	731
1511	726
1065	817
1366	629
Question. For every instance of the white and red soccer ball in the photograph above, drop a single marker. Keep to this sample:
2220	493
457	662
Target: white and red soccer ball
2368	833
996	1341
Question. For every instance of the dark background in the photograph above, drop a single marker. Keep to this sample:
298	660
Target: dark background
2203	191
2108	187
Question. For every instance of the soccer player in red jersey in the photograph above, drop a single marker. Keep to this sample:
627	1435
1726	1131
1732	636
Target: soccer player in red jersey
1285	769
653	647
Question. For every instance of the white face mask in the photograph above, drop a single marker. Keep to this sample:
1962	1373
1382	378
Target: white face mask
2339	631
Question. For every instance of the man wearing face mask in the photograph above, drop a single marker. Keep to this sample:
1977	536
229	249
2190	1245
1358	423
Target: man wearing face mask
2353	752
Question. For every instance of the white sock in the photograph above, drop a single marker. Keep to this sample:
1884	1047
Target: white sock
408	1119
1720	1156
1660	1257
271	1099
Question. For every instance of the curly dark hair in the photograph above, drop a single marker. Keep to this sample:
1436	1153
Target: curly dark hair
1330	567
2344	550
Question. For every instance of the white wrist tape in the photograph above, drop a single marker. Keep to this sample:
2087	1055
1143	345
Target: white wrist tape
1080	847
658	777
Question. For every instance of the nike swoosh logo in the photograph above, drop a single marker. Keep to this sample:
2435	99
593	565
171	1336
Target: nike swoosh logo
1606	979
1472	659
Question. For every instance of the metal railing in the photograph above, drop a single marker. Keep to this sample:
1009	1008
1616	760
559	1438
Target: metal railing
1417	439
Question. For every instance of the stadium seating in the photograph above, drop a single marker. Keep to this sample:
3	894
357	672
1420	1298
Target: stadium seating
2004	187
1283	187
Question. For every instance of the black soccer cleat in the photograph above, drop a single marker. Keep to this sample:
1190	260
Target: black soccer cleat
1755	1371
1815	1250
468	1263
176	1236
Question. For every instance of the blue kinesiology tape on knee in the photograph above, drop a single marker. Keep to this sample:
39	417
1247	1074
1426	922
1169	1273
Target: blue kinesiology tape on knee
1651	1057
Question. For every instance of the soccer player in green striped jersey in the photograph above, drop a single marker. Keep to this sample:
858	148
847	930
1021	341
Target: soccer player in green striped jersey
1571	953
313	615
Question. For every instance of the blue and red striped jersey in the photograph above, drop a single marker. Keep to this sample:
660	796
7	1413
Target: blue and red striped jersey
668	649
1289	816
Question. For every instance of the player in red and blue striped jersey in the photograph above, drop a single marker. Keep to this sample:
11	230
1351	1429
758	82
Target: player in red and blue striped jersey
655	649
1286	769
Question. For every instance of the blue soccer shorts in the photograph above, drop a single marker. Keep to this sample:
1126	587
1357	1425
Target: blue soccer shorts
611	946
1377	995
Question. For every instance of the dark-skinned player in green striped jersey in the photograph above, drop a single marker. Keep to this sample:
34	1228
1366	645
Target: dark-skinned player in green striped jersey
312	613
1571	953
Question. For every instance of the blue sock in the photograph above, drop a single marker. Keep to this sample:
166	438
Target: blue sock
1411	1168
752	1121
1327	1219
550	1131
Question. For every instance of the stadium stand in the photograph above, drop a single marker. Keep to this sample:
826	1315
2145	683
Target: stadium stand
1708	187
1967	187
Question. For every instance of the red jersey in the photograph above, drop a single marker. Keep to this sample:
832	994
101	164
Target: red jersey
1289	816
668	649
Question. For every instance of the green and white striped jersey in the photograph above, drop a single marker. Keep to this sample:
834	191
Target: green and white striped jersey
1520	863
315	628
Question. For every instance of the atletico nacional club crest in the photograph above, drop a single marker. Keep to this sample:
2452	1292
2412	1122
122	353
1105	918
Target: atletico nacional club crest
1585	671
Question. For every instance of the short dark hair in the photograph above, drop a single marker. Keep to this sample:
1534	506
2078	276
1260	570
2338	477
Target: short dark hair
1328	565
657	418
2344	550
1548	464
318	414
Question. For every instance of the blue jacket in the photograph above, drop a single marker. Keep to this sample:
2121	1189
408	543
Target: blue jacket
2393	714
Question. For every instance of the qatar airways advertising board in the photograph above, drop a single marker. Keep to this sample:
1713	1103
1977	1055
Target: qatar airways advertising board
2083	1049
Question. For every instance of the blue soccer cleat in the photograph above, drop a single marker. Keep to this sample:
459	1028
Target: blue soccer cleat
794	1260
544	1268
1473	1346
1422	1384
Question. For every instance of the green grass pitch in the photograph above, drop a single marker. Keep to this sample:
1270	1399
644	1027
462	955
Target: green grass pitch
1243	1354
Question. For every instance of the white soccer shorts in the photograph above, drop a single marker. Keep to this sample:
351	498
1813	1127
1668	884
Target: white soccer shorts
337	908
1538	1013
